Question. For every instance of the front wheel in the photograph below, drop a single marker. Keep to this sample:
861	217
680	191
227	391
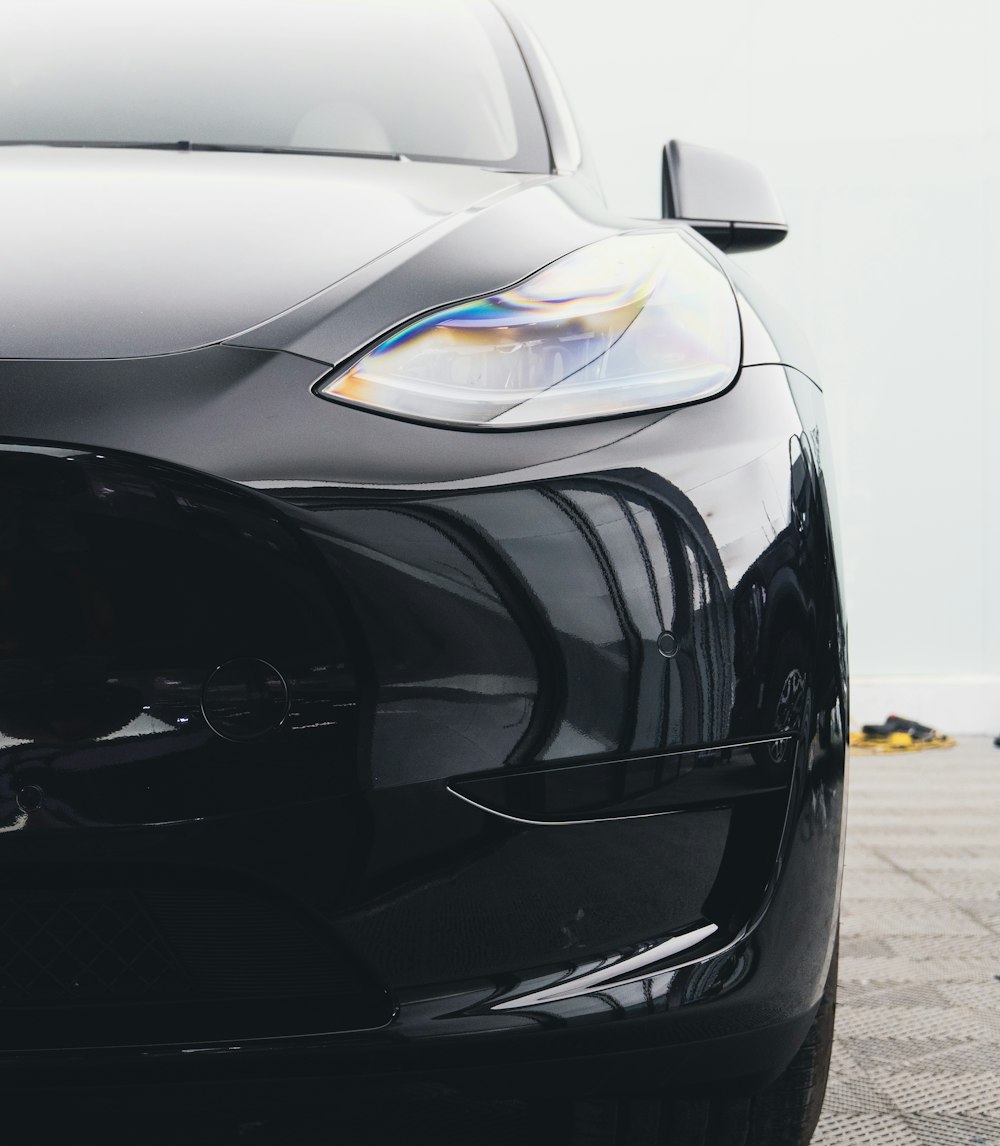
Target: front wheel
783	1114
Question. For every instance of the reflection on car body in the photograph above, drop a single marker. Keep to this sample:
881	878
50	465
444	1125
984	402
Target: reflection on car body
421	645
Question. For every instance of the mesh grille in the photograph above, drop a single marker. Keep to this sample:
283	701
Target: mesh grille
60	947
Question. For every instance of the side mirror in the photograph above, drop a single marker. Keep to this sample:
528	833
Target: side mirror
725	199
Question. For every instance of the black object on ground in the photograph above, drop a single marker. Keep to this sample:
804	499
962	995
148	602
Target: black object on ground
895	723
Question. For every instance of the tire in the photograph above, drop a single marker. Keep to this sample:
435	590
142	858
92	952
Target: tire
786	707
783	1114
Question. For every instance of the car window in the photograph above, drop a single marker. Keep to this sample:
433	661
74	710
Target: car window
435	80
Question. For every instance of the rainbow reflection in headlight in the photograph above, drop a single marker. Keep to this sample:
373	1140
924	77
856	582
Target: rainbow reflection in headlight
631	323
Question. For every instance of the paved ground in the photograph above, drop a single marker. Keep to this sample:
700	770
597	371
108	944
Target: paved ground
917	1054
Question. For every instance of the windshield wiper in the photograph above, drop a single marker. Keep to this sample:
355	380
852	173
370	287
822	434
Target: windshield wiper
188	145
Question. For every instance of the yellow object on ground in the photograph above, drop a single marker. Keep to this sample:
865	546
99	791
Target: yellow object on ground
867	745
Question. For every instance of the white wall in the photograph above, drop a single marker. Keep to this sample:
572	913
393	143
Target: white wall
878	121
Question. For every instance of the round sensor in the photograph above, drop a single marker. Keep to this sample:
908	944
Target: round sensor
244	699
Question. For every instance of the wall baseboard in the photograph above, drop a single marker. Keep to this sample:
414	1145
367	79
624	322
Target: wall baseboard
956	705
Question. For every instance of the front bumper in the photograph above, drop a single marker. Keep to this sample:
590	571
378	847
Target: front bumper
516	781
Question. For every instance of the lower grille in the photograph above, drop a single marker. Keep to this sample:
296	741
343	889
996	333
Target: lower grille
102	966
58	948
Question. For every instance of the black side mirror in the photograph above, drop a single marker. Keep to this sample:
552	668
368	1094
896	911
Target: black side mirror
725	199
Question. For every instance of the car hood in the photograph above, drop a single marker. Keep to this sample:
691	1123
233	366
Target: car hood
120	253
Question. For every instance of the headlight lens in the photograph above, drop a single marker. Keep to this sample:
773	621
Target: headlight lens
635	322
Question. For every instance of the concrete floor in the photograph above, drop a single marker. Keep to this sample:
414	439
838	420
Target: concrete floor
917	1055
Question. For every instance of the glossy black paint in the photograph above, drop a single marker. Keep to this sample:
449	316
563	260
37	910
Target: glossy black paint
157	252
645	785
487	795
458	613
125	589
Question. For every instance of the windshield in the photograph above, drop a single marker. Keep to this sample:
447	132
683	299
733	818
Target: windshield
434	80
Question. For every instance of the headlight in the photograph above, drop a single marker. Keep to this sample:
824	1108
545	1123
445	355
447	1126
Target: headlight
635	322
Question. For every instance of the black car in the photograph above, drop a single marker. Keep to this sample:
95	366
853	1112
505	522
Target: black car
421	649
